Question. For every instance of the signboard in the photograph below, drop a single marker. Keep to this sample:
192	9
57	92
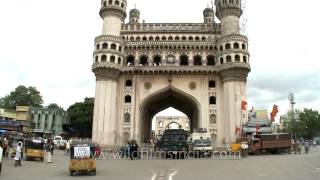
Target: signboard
82	152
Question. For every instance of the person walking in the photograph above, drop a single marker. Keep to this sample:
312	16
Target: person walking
306	147
1	151
18	156
67	147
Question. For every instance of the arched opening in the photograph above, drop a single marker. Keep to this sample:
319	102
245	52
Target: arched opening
127	99
120	48
144	38
144	60
236	46
237	58
138	38
110	2
131	38
184	60
122	5
103	58
105	4
96	59
162	100
157	60
130	60
113	46
229	59
150	38
221	48
119	60
244	46
184	38
197	60
98	46
170	38
112	59
203	39
163	38
190	38
211	60
177	38
117	3
197	38
104	46
221	60
228	46
157	38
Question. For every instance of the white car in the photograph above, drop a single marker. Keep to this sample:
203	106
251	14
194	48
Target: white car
58	142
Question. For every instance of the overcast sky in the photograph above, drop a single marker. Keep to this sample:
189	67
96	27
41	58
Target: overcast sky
49	44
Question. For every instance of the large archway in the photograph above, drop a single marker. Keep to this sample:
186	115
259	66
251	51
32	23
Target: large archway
163	99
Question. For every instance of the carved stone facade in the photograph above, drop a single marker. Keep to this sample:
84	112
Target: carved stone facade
141	69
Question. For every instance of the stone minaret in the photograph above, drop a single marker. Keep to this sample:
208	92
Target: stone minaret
233	62
108	59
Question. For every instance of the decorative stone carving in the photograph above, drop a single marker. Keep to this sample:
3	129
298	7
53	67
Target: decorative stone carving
147	85
192	86
234	74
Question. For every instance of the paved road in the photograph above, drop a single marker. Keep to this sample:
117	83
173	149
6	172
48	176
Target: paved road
264	167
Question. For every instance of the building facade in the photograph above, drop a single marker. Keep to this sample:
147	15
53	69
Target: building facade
143	68
170	122
49	121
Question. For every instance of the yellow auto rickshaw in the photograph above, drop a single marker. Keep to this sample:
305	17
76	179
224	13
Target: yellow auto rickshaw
34	149
82	158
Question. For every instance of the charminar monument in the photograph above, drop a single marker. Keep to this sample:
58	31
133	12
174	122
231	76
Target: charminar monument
144	68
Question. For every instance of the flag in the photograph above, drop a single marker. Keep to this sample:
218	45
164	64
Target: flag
274	112
244	105
237	130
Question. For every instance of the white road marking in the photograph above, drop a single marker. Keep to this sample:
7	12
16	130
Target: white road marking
172	174
154	177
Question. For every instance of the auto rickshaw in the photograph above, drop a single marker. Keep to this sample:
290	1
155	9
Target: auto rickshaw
82	158
34	149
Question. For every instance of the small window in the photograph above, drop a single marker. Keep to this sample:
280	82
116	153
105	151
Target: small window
144	60
129	83
117	3
221	48
119	60
105	4
190	38
144	38
103	58
157	38
120	48
221	60
184	60
228	46
177	38
244	46
197	60
212	84
96	59
245	60
98	46
157	60
203	39
104	46
110	1
184	38
112	59
236	45
163	38
138	39
229	59
113	46
150	38
211	60
122	5
130	60
213	100
237	58
197	38
170	38
127	99
131	38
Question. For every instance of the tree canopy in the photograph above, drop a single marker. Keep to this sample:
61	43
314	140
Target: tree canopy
22	96
81	116
306	126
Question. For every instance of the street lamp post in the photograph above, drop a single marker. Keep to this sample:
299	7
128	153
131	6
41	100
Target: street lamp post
292	103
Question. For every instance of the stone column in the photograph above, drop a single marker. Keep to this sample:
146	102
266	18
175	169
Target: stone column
105	107
234	91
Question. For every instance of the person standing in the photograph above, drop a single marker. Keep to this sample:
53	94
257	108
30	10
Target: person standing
1	151
18	156
49	149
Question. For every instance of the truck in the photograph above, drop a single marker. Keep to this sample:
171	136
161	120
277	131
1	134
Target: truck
200	142
273	143
173	143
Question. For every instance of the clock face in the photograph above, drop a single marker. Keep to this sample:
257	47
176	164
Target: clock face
171	59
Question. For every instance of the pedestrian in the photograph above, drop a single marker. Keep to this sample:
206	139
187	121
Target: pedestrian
6	147
131	150
18	156
67	147
135	150
49	150
314	144
306	147
1	151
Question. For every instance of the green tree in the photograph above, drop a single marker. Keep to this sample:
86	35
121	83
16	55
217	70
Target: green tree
22	96
309	125
81	116
54	106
